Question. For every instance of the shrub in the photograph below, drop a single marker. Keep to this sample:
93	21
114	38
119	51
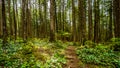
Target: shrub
29	54
89	44
115	44
100	55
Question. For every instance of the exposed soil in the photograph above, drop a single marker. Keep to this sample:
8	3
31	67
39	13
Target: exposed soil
72	59
74	62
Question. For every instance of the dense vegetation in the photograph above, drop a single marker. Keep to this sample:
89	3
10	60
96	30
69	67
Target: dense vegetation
41	33
33	54
104	55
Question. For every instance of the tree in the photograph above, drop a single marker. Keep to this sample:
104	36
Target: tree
4	24
116	11
52	20
40	19
96	21
81	20
45	18
14	20
0	18
63	17
90	23
23	20
110	31
73	21
65	20
10	19
28	21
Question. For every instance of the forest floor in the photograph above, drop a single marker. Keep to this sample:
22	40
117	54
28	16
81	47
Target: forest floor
72	59
38	53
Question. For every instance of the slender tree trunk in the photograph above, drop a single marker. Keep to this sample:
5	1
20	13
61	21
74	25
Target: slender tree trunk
45	18
81	20
102	33
23	17
4	24
9	6
63	17
90	23
36	22
0	18
52	20
110	23
40	19
73	21
116	6
28	20
96	21
57	17
15	23
59	20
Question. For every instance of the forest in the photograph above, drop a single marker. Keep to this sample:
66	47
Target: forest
59	33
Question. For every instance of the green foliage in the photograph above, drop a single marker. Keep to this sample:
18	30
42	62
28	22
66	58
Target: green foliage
64	34
32	54
8	56
115	39
99	55
115	44
0	40
89	44
56	61
59	44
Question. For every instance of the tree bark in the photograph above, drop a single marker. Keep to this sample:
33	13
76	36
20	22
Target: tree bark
116	10
14	19
23	20
73	21
52	20
90	23
96	21
110	31
0	18
4	24
10	19
82	22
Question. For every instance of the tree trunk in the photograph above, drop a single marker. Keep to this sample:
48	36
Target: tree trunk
10	19
15	23
52	20
82	22
73	21
90	23
23	22
28	20
116	6
0	18
45	18
96	21
40	19
4	24
110	23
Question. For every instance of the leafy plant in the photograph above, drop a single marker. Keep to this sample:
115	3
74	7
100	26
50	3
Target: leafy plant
115	44
100	55
29	54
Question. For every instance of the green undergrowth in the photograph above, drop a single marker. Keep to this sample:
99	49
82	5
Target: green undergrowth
35	53
100	55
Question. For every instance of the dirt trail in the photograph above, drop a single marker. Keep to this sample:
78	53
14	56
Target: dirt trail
72	59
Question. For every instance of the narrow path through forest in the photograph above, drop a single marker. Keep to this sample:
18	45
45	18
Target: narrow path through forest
72	59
